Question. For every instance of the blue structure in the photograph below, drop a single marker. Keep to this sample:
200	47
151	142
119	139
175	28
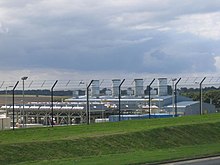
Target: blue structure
115	118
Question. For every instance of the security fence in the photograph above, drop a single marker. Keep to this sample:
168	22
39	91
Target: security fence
55	102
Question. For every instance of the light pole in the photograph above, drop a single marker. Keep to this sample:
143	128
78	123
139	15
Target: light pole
52	88
173	80
23	79
6	99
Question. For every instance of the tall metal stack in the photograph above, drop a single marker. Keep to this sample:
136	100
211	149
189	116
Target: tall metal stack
115	86
95	88
139	87
162	86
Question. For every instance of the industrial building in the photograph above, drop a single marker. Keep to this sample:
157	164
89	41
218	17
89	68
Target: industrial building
192	108
137	103
134	103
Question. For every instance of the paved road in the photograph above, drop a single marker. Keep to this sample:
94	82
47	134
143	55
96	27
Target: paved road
205	161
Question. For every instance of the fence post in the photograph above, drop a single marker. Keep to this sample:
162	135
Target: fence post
176	96
149	99
87	103
119	99
13	104
200	85
52	100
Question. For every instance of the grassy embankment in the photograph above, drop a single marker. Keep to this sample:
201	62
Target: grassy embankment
127	142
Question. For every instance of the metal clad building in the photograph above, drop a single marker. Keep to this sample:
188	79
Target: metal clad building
192	108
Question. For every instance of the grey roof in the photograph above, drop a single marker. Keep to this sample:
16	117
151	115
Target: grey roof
184	103
163	97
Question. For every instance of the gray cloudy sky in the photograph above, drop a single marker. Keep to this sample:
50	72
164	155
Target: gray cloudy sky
63	38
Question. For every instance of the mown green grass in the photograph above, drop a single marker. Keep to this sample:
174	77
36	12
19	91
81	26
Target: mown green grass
123	142
138	157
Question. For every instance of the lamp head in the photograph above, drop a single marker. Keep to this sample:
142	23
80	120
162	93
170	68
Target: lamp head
24	78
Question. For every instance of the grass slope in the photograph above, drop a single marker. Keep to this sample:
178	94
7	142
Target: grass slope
124	142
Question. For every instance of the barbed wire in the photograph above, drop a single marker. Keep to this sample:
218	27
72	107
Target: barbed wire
74	84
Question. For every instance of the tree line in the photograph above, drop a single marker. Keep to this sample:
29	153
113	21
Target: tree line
209	94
